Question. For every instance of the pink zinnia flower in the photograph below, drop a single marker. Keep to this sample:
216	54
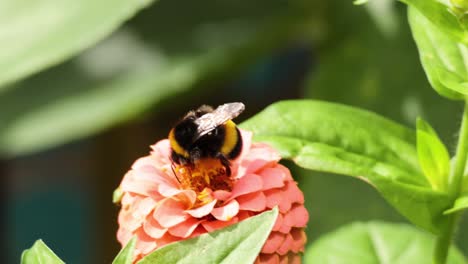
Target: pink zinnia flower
159	208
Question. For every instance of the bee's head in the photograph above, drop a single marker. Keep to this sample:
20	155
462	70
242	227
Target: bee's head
185	132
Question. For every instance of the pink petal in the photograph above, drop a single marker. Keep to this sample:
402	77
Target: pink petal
128	198
286	245
284	259
297	216
248	184
155	173
133	217
272	178
167	190
287	173
244	215
293	193
145	244
259	156
130	184
253	202
278	222
167	239
275	197
153	228
268	259
274	241
185	228
246	142
299	240
138	187
170	213
151	173
202	210
143	162
123	236
221	195
143	207
213	225
127	220
290	259
198	231
162	148
188	197
226	212
285	229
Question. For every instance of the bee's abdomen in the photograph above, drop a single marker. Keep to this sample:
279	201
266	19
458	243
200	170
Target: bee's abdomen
232	144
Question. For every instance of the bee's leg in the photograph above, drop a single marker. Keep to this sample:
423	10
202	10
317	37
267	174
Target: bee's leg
173	171
195	155
179	160
226	163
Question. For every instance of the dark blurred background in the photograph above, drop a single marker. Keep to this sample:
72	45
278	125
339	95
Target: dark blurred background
70	133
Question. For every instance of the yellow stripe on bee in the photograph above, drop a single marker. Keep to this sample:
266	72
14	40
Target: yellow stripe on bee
230	137
175	145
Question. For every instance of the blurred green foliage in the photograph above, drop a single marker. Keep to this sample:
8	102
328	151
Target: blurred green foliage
154	57
36	35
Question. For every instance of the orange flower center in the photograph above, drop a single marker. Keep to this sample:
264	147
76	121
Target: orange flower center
204	177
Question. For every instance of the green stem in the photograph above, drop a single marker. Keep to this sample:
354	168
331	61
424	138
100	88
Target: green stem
444	240
456	177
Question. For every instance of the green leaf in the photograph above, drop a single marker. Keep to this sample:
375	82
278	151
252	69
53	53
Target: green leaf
444	60
344	140
36	35
137	68
242	241
39	253
433	156
441	17
125	255
461	203
376	242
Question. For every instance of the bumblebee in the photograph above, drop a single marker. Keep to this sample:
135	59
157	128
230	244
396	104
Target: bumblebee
207	133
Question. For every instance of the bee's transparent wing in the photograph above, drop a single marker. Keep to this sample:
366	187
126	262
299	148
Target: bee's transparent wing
219	116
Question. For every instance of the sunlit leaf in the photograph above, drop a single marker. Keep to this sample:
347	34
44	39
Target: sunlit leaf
39	253
376	242
344	140
239	243
441	17
433	156
443	58
35	35
461	203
